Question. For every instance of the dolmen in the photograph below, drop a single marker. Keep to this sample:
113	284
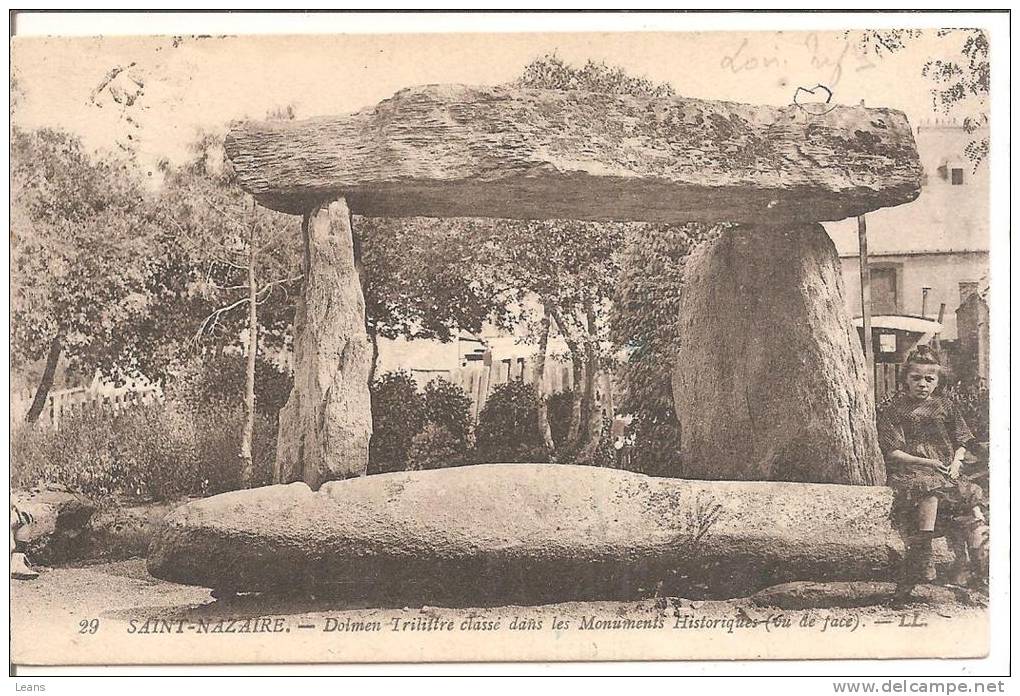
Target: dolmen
527	532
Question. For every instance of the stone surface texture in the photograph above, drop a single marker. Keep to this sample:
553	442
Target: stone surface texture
327	421
527	531
770	381
464	151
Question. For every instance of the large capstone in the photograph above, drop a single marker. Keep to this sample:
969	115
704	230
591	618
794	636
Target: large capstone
527	532
327	421
507	152
770	381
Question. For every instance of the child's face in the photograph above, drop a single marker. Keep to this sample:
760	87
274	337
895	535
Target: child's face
922	380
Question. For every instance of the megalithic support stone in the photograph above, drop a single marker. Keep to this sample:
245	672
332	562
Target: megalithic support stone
326	424
770	383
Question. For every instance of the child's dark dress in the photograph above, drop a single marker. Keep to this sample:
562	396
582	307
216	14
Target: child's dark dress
933	429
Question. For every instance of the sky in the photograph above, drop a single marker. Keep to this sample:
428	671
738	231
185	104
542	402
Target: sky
178	88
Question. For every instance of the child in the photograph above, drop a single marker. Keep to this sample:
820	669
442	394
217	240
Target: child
924	440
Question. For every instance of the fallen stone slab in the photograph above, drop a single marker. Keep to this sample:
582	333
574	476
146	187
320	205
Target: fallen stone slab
530	532
508	152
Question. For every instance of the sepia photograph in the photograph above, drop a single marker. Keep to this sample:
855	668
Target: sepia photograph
405	345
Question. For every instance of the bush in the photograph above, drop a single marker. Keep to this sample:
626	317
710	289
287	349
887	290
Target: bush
398	414
656	443
508	426
448	406
80	455
435	447
971	398
559	406
156	452
209	380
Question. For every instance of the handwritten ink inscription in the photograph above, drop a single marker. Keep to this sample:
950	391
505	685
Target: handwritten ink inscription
829	60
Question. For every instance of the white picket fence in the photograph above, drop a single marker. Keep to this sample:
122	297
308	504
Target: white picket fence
62	402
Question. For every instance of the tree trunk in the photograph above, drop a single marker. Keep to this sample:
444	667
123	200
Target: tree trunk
327	422
46	382
373	337
590	409
577	363
543	402
247	459
770	382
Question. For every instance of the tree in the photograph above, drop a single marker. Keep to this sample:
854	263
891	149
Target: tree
239	257
426	278
81	260
561	274
960	84
571	266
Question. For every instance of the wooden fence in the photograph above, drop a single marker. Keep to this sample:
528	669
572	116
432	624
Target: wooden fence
99	395
480	378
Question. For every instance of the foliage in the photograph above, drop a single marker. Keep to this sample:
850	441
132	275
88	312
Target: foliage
81	250
550	72
398	414
208	379
646	326
559	405
447	406
971	398
425	278
157	452
211	230
508	426
418	430
435	448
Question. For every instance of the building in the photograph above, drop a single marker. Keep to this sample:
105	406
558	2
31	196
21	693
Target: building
930	252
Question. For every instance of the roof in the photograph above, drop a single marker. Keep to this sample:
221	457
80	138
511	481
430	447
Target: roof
902	322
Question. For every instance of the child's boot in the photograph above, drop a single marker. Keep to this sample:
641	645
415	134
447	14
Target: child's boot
979	555
959	572
918	566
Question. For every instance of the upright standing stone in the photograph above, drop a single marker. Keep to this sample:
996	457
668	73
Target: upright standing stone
770	382
327	422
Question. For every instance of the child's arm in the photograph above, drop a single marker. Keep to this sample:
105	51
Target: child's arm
901	457
954	468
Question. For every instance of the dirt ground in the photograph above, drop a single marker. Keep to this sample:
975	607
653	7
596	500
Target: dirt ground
113	613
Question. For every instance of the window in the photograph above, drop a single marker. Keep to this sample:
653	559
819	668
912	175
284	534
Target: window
884	295
957	177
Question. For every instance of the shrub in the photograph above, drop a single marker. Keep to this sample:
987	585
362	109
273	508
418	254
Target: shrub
209	380
398	414
971	398
559	408
656	443
448	406
508	426
80	455
218	447
435	447
158	452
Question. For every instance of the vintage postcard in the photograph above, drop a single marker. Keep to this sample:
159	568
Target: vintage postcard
482	346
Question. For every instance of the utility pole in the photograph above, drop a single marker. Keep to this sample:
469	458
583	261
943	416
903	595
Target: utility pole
869	355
